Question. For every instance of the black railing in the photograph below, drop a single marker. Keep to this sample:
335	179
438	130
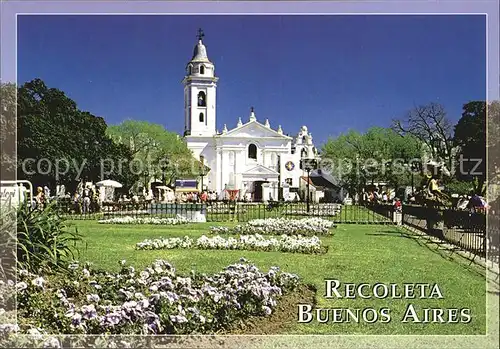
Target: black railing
465	229
224	211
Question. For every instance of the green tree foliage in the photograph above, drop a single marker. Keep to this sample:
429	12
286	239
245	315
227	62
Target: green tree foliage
51	127
380	154
156	150
470	138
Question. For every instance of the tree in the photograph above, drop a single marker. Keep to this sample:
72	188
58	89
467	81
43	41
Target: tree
430	125
57	142
470	138
157	150
340	156
380	154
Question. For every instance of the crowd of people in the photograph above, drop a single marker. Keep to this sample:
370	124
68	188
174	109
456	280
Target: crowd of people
88	198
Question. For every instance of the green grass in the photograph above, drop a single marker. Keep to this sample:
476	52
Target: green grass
357	254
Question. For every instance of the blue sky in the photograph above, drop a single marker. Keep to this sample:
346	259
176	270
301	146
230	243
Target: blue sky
332	73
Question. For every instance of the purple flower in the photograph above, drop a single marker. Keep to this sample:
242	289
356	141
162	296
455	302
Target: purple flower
76	319
112	319
89	312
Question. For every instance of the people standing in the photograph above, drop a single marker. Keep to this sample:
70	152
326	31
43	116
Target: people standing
204	197
40	198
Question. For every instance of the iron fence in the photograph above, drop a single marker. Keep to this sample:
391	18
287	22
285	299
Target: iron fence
223	211
466	230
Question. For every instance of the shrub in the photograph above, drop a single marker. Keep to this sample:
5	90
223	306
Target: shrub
44	239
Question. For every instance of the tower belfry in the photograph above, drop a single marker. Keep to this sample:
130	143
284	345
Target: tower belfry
200	85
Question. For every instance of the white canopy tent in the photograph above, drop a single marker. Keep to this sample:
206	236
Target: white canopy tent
107	189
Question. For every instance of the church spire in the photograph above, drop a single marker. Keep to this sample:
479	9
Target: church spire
200	51
200	85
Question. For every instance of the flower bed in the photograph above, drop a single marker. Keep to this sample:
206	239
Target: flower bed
279	226
295	244
146	220
154	301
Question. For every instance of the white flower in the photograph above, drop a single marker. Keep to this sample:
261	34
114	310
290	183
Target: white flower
267	310
148	220
178	318
21	286
286	243
93	298
73	266
39	282
86	273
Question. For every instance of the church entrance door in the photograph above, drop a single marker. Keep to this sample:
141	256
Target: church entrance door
257	194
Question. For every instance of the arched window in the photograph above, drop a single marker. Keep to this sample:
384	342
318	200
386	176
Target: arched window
189	70
202	117
304	139
202	102
252	151
303	153
202	69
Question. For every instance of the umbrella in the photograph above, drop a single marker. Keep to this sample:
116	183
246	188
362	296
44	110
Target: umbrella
109	183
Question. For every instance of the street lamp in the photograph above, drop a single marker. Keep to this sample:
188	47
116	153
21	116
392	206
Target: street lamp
202	169
308	164
414	166
146	175
163	170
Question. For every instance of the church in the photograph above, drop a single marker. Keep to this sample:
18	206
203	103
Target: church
254	158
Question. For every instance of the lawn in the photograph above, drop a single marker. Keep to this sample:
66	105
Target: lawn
357	254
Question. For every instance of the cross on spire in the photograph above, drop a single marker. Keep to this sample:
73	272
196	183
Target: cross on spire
200	34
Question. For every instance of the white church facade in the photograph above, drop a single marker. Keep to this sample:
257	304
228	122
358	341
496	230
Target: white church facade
253	157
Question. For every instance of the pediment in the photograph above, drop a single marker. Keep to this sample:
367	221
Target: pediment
254	129
260	170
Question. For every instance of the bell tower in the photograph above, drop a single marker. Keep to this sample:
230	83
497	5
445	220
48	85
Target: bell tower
200	85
